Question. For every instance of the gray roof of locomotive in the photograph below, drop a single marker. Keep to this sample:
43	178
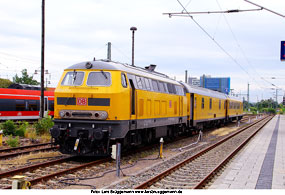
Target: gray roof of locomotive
110	65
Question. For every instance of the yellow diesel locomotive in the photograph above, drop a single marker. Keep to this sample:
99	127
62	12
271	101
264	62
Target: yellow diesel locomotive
99	103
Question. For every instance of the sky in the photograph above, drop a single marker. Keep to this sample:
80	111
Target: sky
244	46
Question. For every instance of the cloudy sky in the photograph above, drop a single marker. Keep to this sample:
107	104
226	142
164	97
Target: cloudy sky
244	46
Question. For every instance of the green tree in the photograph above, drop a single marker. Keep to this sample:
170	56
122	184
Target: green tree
25	79
4	83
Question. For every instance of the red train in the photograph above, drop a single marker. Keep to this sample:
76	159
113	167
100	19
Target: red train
21	104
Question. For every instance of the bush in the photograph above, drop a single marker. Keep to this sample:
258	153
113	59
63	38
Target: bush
271	110
21	129
9	128
43	125
13	142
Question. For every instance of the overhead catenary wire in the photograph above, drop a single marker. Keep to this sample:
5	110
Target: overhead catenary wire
217	43
241	50
265	8
185	14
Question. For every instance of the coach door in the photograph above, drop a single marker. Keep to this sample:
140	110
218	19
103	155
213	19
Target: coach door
45	107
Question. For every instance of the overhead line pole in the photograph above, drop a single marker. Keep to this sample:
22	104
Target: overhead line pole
42	61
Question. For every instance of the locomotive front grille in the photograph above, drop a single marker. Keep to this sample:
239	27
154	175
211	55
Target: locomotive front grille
81	114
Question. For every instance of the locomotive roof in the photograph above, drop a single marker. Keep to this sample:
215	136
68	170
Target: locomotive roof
110	65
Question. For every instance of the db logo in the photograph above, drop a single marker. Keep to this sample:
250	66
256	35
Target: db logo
81	101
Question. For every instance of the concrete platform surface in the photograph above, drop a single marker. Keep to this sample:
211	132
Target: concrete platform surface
261	164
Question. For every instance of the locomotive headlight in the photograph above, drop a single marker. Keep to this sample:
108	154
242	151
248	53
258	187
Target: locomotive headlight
61	114
102	115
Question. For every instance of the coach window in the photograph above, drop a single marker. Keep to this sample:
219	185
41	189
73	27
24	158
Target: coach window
20	105
124	80
33	105
203	102
210	103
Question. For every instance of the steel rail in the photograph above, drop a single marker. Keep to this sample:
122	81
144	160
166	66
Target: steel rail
23	147
175	167
46	177
34	166
231	155
27	152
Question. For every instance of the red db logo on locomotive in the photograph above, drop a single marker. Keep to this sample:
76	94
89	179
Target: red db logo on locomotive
81	101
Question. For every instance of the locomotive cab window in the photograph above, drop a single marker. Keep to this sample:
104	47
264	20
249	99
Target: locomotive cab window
73	79
101	78
124	80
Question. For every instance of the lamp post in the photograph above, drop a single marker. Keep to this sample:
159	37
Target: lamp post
133	29
42	61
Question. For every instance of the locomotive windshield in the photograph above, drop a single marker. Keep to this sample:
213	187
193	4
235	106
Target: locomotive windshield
99	79
73	79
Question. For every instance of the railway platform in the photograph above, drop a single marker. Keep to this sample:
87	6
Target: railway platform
261	164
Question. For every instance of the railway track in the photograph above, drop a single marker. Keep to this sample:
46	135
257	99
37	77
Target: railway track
37	173
13	152
195	172
43	171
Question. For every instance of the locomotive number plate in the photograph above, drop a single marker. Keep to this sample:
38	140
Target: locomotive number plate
81	101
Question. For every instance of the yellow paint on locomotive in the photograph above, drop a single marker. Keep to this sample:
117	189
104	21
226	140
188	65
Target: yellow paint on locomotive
149	104
119	108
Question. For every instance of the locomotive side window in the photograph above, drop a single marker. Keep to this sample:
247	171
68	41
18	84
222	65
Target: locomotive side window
140	82
73	79
161	86
210	105
203	103
220	104
165	87
124	80
174	89
155	85
147	84
169	87
99	79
